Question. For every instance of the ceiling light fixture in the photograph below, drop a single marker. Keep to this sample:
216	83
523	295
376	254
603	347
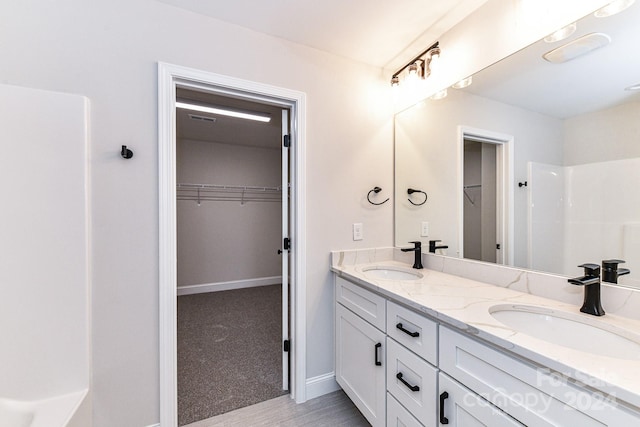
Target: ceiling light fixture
561	34
633	87
439	95
613	8
463	83
420	66
224	112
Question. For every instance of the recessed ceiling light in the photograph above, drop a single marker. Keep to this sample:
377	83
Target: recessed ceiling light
439	95
561	34
224	112
463	83
613	8
633	87
578	47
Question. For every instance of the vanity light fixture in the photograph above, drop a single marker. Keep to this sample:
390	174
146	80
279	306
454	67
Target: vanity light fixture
463	83
224	111
420	66
613	8
561	34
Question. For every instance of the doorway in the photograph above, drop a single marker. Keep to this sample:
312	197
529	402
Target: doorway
171	79
232	172
485	207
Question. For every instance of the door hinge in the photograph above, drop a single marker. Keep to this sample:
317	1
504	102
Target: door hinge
286	141
286	244
286	345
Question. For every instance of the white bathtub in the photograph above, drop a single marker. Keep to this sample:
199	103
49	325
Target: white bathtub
58	411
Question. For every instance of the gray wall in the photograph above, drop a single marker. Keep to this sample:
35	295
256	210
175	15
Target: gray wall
222	241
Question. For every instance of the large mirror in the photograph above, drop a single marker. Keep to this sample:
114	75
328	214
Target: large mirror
536	164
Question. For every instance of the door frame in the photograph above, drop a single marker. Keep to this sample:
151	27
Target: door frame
504	190
169	78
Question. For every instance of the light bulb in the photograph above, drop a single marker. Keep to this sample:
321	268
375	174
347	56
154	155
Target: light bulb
561	34
613	8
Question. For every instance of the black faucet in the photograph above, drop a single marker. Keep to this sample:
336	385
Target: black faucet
417	248
433	246
611	272
591	282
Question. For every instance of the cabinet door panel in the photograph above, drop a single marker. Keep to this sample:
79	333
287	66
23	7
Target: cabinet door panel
398	416
421	401
464	408
358	347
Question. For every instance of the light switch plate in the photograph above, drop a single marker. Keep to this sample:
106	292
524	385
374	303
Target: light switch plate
424	230
357	231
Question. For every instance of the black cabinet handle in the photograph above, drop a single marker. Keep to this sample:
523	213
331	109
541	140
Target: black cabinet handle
402	380
412	334
375	354
443	397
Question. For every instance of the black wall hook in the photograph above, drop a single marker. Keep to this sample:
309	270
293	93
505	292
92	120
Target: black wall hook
375	190
411	191
126	153
522	184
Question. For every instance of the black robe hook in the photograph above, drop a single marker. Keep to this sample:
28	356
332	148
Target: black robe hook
126	153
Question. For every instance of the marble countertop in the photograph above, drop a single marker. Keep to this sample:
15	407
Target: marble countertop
465	305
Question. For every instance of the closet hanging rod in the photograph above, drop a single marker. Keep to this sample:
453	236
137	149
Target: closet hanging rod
472	186
228	188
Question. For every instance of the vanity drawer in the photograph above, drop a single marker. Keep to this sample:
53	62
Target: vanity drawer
528	393
419	334
398	416
364	303
417	373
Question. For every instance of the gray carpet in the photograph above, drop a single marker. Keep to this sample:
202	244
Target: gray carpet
229	351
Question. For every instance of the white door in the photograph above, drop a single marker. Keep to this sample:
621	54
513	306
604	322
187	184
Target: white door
285	249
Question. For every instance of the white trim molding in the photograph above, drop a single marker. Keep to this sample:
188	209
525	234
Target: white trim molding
169	78
204	288
321	385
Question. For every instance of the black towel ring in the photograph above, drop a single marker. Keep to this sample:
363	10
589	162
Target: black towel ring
375	190
411	191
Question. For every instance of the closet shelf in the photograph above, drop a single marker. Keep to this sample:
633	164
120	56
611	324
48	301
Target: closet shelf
228	193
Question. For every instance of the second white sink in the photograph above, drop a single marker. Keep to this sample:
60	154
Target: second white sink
569	330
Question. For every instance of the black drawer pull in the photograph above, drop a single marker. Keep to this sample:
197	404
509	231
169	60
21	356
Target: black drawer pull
412	334
411	387
443	397
375	354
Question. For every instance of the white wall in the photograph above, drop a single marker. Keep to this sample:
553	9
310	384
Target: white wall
108	52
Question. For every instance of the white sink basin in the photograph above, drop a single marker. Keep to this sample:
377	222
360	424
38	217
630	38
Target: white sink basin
569	330
391	273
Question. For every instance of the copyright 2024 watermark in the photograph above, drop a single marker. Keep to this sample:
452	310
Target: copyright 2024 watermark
558	391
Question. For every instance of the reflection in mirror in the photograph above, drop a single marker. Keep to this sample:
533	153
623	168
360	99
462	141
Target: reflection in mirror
574	125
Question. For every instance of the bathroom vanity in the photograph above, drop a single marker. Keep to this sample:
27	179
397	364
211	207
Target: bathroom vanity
426	348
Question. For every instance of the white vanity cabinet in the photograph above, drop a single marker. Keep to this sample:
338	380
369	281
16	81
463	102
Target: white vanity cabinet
360	349
529	394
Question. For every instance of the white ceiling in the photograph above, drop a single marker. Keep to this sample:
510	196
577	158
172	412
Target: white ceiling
382	33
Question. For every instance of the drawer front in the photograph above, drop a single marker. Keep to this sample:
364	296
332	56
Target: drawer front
529	394
417	374
398	416
418	333
462	407
364	303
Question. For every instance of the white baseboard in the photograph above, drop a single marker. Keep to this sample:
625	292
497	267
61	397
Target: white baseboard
154	425
227	286
321	385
